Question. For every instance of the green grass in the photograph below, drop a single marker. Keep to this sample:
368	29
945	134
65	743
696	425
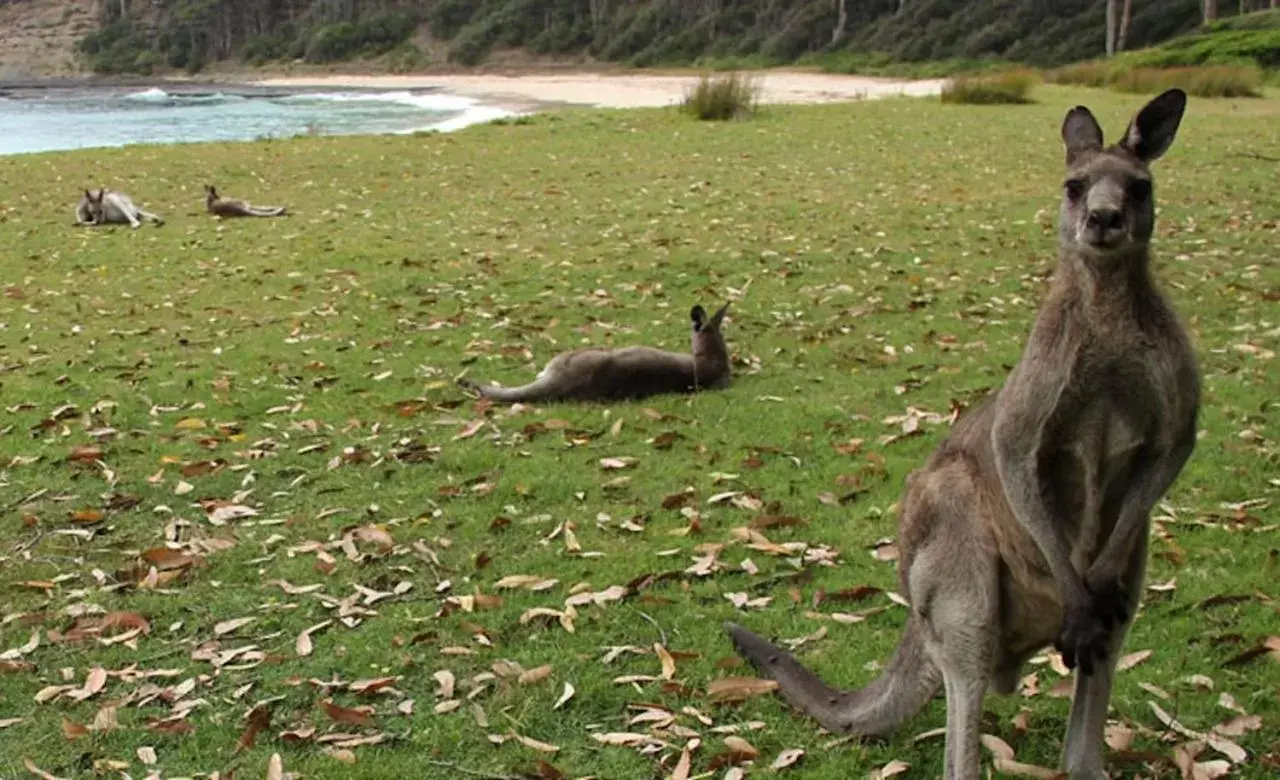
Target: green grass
1010	87
880	256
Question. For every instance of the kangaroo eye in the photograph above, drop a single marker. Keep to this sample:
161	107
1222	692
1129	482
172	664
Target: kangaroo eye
1075	189
1139	189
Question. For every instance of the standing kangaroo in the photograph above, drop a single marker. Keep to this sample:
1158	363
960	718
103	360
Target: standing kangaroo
111	207
231	207
598	374
1029	524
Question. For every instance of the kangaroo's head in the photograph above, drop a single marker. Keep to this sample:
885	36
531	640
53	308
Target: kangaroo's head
93	202
1108	203
709	351
210	193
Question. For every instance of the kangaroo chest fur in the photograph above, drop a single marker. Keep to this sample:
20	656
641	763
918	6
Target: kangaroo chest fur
1092	445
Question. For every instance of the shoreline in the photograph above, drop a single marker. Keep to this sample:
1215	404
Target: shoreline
518	90
537	90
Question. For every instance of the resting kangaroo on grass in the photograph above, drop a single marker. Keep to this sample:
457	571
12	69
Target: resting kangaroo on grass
598	374
111	207
231	207
1029	524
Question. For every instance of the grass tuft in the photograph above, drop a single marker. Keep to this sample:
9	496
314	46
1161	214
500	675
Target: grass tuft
719	98
1010	87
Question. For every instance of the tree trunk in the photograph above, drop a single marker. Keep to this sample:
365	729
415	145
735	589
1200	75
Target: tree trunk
1210	10
1126	16
841	20
1112	19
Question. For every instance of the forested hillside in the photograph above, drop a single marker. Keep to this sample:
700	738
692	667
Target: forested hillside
142	34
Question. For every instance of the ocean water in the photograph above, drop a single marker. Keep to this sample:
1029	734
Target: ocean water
37	120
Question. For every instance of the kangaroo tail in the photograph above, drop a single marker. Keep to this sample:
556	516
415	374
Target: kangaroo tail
537	390
266	211
906	686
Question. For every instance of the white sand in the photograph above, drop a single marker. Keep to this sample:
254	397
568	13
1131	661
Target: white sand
614	90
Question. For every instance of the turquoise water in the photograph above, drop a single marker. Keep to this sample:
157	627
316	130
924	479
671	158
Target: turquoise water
78	118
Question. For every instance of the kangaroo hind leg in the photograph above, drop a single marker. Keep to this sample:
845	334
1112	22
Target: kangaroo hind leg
953	585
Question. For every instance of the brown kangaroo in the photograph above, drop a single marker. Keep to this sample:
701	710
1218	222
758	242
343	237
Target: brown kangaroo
1029	524
231	207
598	374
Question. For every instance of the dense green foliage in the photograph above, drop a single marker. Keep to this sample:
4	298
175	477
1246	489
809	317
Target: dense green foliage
188	33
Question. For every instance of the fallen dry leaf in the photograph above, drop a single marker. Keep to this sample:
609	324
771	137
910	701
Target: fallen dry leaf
729	689
787	758
275	767
359	716
1132	659
894	767
569	690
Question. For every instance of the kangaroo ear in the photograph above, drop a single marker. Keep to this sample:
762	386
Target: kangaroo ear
88	195
1152	130
699	317
719	315
1080	133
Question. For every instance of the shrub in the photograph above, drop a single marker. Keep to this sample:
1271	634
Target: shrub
1210	81
1008	87
722	97
1083	74
405	58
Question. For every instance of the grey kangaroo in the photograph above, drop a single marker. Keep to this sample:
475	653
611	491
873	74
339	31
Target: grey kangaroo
598	374
111	207
1028	525
231	207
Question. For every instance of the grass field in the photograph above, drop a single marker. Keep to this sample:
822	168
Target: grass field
882	257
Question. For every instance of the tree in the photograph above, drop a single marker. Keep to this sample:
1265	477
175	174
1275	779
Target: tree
1112	19
841	21
1210	10
1126	16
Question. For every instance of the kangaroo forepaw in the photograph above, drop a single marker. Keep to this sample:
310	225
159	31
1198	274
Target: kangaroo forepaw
1084	641
1110	601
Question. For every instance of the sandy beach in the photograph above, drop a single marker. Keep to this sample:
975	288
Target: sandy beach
528	92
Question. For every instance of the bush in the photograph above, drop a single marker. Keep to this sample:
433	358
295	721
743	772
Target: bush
1238	80
406	58
1010	87
119	48
1211	81
722	97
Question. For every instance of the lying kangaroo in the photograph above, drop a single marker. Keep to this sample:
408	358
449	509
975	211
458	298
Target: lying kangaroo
111	207
231	207
598	374
1029	524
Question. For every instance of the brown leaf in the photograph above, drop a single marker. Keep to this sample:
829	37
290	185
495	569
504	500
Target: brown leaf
894	767
360	716
259	719
1132	659
84	453
787	758
37	771
86	516
72	730
537	674
729	689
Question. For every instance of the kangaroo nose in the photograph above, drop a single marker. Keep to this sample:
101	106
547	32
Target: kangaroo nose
1105	219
